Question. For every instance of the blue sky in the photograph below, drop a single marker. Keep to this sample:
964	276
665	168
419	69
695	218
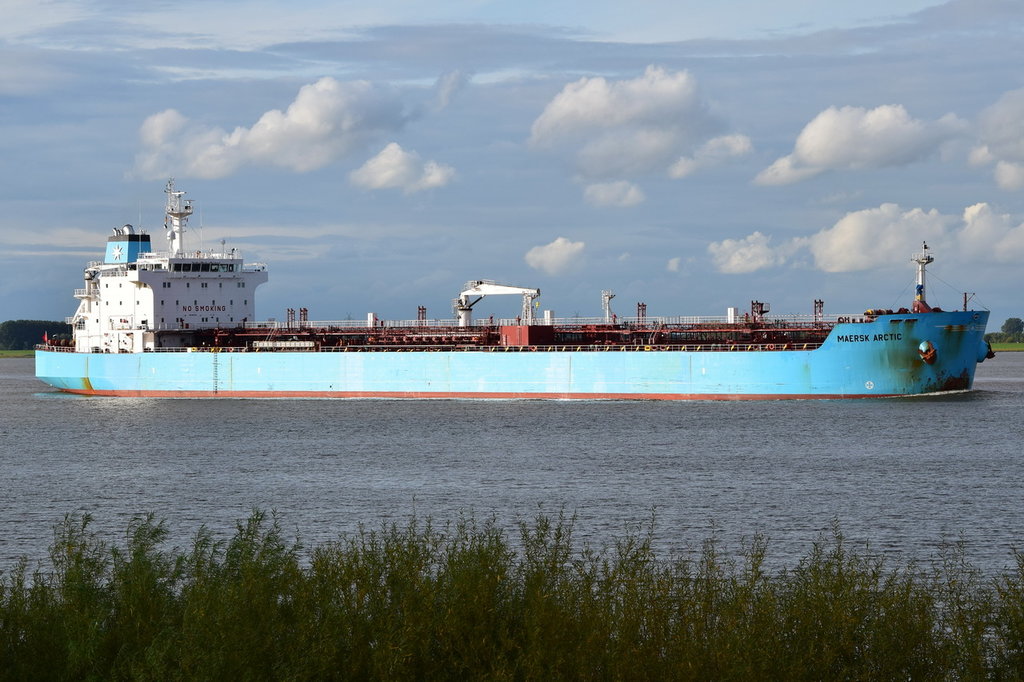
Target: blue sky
692	156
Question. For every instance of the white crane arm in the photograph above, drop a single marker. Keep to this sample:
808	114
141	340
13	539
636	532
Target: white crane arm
485	287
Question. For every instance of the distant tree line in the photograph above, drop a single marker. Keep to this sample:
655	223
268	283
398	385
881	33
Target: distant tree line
25	334
1012	331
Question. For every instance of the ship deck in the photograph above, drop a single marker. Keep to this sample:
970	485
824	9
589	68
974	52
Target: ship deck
693	334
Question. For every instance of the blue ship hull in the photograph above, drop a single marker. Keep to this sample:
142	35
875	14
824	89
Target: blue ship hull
880	358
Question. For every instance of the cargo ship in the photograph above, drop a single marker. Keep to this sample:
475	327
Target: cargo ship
181	323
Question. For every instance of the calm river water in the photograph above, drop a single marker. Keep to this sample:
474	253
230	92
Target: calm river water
903	476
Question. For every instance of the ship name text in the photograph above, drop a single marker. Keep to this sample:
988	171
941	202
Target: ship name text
856	338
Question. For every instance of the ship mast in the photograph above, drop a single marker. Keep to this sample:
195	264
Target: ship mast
922	259
606	305
178	210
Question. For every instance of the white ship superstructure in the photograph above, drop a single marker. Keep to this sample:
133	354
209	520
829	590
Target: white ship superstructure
138	299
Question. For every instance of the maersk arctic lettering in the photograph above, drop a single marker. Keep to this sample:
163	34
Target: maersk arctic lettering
180	323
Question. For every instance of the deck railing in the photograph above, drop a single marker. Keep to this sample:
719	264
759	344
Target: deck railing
596	348
800	320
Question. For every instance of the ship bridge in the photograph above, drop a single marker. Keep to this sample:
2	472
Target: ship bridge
137	299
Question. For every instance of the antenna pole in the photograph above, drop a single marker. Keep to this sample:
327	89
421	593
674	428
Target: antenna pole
178	210
922	259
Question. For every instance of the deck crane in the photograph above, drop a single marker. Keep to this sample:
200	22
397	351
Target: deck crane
484	287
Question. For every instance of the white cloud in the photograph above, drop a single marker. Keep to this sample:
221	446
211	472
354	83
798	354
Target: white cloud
1001	126
620	193
987	235
1001	140
594	104
394	167
1009	175
447	86
555	258
785	171
673	264
327	120
751	253
158	137
866	239
883	237
980	156
712	152
157	130
858	138
632	126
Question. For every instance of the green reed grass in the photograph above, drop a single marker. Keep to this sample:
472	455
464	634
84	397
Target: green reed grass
466	601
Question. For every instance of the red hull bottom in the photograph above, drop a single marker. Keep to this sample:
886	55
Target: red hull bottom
473	395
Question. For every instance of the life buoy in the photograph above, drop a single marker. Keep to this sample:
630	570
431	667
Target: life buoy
927	352
771	346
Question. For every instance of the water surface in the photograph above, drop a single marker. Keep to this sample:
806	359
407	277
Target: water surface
902	475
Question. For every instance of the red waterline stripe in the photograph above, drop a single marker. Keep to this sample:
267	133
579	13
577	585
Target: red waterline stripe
478	395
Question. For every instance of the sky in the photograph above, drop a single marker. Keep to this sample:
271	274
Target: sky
689	155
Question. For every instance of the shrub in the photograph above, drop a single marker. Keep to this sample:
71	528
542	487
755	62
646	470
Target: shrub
418	601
